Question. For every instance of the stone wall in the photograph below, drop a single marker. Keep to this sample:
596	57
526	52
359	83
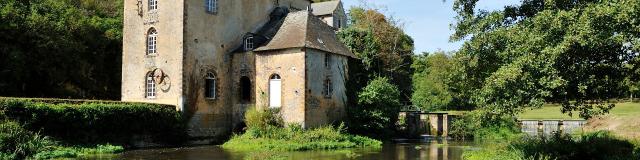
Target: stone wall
322	110
290	65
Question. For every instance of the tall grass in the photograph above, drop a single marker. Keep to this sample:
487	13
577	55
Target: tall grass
266	133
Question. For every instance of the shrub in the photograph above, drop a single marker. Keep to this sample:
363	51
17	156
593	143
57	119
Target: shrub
261	118
94	122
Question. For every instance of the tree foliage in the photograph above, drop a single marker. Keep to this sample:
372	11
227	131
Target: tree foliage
378	107
60	48
430	81
571	52
382	47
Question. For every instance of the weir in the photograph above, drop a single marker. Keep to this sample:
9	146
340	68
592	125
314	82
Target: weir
548	127
426	123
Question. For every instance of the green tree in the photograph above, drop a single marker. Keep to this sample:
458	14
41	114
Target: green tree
60	48
378	107
382	46
430	78
572	52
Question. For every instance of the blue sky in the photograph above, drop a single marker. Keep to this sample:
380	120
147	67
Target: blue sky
427	21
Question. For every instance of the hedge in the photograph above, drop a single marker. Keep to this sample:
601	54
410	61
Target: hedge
95	122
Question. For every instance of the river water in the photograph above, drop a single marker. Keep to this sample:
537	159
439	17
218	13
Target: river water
398	149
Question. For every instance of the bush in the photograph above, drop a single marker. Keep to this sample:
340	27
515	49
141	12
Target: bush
94	122
262	118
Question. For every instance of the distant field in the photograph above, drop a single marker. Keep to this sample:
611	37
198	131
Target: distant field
553	112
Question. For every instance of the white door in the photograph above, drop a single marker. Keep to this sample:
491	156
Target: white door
275	92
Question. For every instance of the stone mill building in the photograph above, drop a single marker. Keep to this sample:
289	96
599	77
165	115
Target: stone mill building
214	59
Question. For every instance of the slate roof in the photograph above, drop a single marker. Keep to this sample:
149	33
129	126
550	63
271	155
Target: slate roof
325	8
303	30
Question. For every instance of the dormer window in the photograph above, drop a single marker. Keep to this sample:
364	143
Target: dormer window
211	6
153	5
248	43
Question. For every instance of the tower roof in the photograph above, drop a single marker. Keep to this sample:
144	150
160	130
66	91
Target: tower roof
303	30
325	8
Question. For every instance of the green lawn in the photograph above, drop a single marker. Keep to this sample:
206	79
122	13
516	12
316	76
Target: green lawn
553	112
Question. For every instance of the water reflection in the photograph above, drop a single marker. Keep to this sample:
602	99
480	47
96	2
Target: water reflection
398	150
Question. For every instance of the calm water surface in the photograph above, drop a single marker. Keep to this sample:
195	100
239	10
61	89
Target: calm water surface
399	149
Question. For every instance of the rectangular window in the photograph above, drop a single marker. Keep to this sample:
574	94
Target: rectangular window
327	60
153	5
211	6
328	88
210	87
152	44
151	87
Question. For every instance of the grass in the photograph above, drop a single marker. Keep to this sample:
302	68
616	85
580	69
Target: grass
552	111
266	132
296	139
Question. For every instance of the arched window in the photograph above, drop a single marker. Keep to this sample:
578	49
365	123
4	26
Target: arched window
150	86
328	88
275	91
245	89
210	86
152	41
153	5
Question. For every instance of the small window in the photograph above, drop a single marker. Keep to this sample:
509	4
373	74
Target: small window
248	43
150	88
327	60
328	88
152	41
339	24
153	5
210	86
211	6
